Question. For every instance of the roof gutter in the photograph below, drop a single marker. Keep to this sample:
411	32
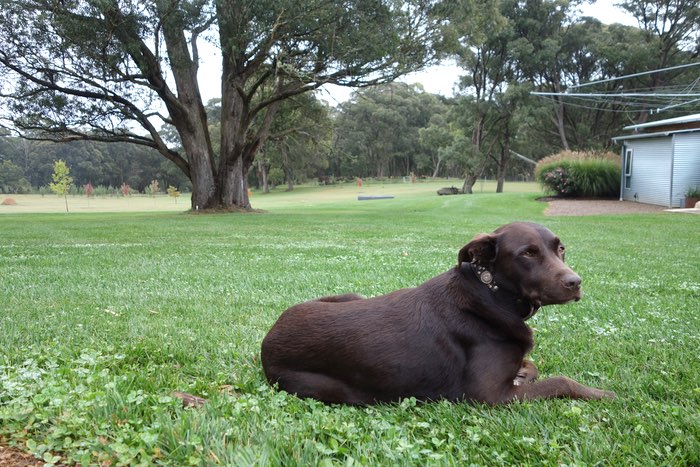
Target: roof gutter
652	135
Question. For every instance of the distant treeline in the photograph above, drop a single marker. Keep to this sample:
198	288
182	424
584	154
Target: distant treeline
27	165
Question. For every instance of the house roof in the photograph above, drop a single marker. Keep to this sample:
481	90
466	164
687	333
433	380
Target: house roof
650	135
669	121
670	126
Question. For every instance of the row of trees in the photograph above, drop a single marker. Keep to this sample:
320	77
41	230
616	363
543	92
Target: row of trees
26	165
384	131
123	71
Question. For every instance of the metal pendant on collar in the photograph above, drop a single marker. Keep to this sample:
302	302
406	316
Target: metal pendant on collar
485	276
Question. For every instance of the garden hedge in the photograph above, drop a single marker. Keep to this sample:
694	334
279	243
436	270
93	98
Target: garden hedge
580	174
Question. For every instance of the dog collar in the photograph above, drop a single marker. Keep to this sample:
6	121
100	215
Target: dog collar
486	278
484	275
533	309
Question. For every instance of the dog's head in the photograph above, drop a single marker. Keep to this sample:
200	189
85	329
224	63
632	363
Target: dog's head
526	259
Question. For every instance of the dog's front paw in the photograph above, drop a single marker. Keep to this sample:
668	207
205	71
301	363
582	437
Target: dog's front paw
601	394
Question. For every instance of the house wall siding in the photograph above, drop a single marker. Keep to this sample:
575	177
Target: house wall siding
651	171
686	165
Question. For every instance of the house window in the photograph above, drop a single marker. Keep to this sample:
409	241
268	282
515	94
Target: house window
628	168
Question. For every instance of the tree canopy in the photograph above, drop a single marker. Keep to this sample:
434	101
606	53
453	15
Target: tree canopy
377	131
127	71
117	70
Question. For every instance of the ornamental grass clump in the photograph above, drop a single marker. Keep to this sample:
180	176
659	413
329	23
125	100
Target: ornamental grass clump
571	174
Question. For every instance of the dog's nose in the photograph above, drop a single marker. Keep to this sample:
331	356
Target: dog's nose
571	281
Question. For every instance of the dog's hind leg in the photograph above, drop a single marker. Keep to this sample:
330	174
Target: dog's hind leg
526	374
321	387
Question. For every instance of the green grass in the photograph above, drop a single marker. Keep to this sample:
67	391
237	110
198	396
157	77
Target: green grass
102	316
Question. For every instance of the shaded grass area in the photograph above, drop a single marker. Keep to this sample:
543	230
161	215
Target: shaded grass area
104	315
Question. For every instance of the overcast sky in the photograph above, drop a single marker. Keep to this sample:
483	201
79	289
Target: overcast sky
441	79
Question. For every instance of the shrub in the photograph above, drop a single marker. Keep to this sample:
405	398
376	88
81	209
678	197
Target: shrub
576	174
101	190
693	192
558	180
580	156
276	176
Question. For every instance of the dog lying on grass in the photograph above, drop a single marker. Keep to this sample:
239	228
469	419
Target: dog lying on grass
459	336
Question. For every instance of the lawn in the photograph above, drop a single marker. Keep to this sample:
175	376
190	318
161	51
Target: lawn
103	315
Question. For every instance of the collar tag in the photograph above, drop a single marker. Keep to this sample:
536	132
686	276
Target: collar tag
485	276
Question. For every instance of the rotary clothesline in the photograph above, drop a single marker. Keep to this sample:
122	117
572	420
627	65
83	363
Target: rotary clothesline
630	100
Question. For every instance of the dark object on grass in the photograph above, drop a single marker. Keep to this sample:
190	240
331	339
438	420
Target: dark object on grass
459	336
369	197
188	400
448	190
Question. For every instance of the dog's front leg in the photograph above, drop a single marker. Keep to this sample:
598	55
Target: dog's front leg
558	386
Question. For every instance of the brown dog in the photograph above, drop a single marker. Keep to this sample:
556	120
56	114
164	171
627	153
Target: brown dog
459	336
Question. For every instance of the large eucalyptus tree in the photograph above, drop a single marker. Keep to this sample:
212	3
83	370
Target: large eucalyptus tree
120	70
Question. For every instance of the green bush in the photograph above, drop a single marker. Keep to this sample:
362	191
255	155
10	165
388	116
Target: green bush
580	175
693	192
276	176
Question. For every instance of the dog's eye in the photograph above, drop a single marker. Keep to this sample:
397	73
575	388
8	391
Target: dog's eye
531	253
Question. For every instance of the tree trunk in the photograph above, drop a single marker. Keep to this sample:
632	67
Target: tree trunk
437	168
264	170
287	167
501	171
233	188
470	178
186	108
204	188
503	161
231	176
560	125
469	182
559	116
289	176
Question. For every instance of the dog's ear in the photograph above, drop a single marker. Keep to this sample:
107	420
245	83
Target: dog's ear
481	249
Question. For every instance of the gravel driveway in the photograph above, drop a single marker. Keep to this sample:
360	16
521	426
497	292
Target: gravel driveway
592	207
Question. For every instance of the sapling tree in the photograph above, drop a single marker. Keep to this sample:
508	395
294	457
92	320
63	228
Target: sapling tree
89	190
62	180
153	188
174	192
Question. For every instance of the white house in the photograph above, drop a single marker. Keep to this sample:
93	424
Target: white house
661	160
